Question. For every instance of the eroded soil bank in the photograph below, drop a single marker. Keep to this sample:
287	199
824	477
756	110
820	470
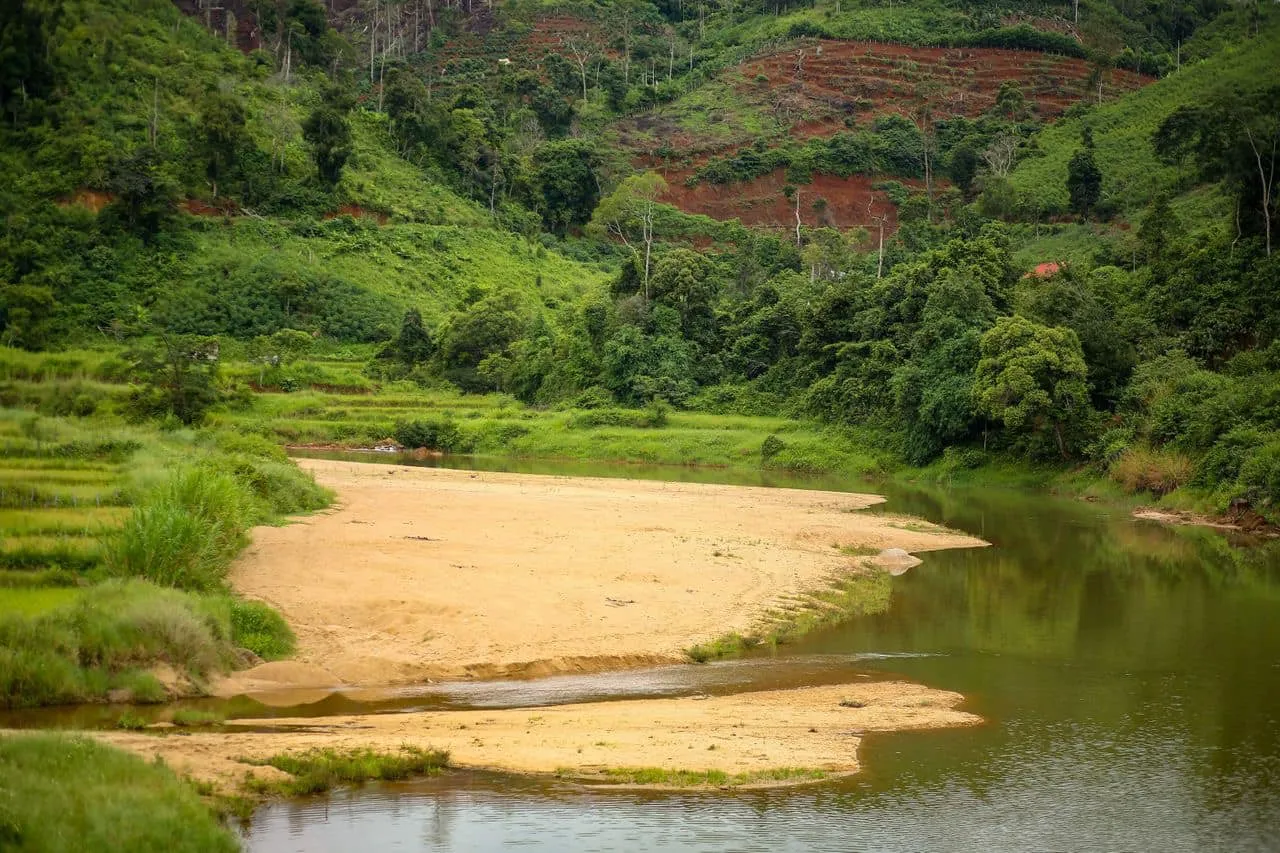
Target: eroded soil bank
426	573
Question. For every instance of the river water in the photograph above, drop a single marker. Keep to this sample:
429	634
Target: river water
1129	674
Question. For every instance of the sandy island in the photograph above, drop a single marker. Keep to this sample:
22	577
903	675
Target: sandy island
429	574
425	573
741	734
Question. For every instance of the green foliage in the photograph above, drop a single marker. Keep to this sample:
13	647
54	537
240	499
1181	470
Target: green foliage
1032	380
179	377
259	628
60	792
319	770
185	533
441	434
80	652
1084	179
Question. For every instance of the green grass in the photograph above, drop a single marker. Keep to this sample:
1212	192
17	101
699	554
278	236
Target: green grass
60	793
1122	128
103	637
190	718
319	770
34	602
846	598
662	777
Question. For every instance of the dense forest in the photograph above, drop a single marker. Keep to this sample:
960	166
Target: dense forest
970	230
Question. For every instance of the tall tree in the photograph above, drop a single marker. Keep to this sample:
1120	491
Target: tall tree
329	135
628	215
1032	379
1084	178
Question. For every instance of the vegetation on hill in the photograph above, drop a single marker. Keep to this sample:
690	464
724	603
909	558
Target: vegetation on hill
437	199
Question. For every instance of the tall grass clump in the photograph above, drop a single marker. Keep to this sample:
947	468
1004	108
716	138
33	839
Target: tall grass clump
71	793
98	643
1155	471
185	533
256	626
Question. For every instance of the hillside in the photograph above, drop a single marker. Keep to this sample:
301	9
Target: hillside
823	211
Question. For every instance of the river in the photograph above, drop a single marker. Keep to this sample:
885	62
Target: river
1129	674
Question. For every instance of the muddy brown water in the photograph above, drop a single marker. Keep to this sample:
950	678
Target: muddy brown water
1129	673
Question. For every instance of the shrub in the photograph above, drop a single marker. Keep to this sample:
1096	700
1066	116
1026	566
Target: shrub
1259	479
771	447
185	533
82	651
441	434
1158	472
256	626
59	793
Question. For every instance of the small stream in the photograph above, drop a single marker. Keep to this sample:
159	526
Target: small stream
1129	674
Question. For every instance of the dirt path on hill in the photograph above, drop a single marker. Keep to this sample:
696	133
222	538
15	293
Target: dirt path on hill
426	573
741	734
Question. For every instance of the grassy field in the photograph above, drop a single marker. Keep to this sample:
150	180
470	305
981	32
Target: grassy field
114	543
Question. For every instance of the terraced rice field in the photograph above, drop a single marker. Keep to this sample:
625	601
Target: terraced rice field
61	495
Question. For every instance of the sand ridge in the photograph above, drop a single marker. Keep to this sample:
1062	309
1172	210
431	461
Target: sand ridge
429	574
738	734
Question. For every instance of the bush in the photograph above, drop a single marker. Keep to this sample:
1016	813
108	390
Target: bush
256	626
771	447
1158	472
441	434
1259	480
80	652
185	533
62	793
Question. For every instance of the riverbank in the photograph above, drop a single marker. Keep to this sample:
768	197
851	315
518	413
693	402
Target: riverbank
761	738
430	574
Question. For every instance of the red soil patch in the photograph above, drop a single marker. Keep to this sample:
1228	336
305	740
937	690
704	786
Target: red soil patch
838	78
94	200
850	202
198	207
355	211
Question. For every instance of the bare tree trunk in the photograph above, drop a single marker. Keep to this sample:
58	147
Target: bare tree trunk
1266	180
797	199
646	221
155	113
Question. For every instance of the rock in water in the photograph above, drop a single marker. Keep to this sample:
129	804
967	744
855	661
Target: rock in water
895	560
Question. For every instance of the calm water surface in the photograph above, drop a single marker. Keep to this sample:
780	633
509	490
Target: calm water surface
1129	673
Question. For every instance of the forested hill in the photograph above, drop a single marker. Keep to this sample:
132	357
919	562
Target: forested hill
1024	227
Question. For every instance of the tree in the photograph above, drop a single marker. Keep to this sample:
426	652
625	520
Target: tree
278	350
179	376
25	314
221	134
1084	178
26	71
414	344
963	167
1233	137
933	389
1032	379
567	185
1001	155
627	213
144	192
329	135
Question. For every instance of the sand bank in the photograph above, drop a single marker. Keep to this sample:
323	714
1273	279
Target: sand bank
437	574
740	734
